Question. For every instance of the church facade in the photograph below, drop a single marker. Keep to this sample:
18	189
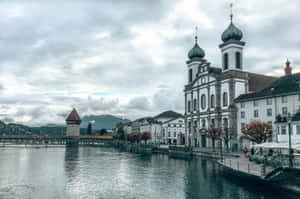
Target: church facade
210	91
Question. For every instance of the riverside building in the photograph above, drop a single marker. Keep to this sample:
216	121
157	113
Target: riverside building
210	90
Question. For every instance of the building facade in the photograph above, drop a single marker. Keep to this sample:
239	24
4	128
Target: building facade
173	131
273	105
210	91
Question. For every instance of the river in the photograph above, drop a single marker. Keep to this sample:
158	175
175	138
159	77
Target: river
94	173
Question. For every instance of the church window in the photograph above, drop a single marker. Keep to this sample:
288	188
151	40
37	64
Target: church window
203	102
195	104
212	123
225	123
212	101
225	61
225	99
190	75
238	60
189	106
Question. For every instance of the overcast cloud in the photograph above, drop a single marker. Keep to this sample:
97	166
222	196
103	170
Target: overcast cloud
126	57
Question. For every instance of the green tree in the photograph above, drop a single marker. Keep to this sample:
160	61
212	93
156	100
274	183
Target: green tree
145	136
258	132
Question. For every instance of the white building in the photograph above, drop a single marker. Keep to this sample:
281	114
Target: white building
210	91
272	105
173	131
154	128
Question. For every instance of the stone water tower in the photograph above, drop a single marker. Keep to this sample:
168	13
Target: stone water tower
73	127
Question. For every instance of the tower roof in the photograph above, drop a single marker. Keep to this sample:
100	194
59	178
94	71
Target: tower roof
196	51
231	32
73	116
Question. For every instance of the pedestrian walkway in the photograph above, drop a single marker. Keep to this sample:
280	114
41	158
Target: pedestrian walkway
243	164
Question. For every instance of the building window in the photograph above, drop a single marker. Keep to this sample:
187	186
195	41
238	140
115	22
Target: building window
242	104
242	114
283	130
225	99
212	101
190	75
203	123
195	124
203	102
225	123
269	101
189	106
255	113
298	97
195	104
238	60
255	103
269	112
212	123
298	129
243	125
284	111
225	61
174	134
169	134
284	99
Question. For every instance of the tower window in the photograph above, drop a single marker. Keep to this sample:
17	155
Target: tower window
195	104
225	99
189	106
238	60
225	61
190	75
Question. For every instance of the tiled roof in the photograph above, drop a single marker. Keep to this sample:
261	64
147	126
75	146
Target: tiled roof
73	116
282	86
258	82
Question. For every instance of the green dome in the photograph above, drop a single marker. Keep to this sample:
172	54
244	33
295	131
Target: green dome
232	32
196	52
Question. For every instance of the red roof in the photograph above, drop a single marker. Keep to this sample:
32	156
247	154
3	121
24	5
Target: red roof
73	116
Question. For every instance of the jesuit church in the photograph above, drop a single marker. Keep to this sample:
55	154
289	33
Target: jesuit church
211	90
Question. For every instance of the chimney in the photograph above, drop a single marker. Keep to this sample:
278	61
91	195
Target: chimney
288	68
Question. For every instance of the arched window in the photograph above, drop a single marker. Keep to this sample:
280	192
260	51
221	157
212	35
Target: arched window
189	106
212	101
225	61
238	60
190	75
225	99
195	104
203	101
225	123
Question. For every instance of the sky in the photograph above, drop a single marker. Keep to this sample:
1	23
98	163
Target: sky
126	57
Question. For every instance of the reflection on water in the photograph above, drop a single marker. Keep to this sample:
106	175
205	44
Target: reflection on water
107	173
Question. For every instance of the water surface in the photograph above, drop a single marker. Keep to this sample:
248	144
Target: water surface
89	172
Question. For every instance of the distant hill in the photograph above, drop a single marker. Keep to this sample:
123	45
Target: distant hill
169	114
102	121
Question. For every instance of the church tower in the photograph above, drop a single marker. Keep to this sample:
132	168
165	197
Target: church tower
232	47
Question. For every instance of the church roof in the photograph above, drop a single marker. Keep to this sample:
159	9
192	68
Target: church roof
285	85
73	116
196	52
232	33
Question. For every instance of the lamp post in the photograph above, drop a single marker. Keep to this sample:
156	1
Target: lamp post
289	118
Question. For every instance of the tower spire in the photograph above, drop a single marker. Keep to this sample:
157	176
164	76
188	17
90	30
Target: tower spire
196	34
231	15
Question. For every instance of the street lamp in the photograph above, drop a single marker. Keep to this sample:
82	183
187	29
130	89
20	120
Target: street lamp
289	118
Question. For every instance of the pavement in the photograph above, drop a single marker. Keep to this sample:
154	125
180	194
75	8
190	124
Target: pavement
244	165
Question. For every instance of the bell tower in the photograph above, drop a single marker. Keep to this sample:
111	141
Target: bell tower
232	47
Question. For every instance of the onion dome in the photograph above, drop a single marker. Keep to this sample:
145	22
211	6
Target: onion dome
232	32
196	51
